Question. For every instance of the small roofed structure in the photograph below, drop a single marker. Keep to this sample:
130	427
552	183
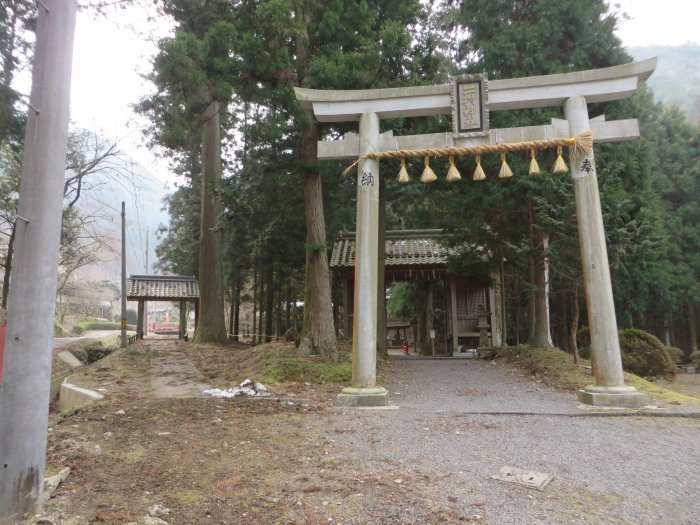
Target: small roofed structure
174	288
409	255
419	255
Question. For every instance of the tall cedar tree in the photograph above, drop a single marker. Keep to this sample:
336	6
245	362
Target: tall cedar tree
515	38
322	45
190	74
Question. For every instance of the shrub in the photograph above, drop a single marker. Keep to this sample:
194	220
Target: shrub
583	337
676	354
97	351
695	359
95	325
78	329
94	351
644	355
58	329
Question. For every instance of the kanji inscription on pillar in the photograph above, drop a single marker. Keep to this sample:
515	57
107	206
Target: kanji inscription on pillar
470	113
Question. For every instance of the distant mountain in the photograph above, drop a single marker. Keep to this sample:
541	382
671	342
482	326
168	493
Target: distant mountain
677	77
142	193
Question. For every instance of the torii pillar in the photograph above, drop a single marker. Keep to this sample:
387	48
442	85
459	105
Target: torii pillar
610	389
364	390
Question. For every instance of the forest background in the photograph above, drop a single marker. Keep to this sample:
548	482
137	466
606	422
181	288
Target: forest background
272	211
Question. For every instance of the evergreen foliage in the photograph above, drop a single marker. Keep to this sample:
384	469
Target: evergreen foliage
253	53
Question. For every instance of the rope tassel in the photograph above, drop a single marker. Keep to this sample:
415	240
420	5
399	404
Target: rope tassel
505	172
534	167
453	173
479	171
428	175
559	164
403	174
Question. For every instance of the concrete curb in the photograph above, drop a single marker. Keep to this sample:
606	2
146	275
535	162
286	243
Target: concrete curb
609	413
72	396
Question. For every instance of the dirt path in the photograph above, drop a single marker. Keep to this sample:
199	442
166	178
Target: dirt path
174	375
265	462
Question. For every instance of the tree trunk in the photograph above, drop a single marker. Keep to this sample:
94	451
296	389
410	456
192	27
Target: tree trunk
269	302
541	335
211	327
502	283
561	331
232	305
573	327
254	334
8	266
237	311
262	306
531	306
318	333
518	309
531	263
289	307
693	327
278	304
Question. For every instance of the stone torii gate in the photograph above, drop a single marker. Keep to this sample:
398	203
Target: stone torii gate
573	91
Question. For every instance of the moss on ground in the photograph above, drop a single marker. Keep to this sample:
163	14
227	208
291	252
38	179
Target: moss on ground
657	392
270	363
552	366
556	368
280	365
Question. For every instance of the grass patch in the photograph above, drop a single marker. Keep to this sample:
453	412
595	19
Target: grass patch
65	414
658	392
280	365
84	326
553	367
556	368
188	497
269	363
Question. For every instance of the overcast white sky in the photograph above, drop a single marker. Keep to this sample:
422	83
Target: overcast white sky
109	59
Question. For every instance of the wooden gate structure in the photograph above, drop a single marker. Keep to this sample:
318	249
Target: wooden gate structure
170	288
469	99
418	255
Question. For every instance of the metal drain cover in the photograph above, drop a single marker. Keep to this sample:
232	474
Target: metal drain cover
527	478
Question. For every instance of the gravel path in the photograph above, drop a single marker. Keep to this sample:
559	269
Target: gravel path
636	470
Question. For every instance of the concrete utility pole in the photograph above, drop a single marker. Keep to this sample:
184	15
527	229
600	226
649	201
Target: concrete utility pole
610	386
123	323
24	391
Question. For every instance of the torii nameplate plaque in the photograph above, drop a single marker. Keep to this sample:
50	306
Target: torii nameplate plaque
470	112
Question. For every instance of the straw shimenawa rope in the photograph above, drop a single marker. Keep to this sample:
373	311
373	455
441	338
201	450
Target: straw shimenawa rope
582	143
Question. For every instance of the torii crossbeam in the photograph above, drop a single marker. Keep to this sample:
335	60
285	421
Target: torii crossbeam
572	91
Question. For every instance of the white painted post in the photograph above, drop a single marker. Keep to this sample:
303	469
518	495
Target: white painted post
25	386
363	391
610	389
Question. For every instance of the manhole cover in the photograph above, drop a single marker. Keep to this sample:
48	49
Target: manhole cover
527	478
